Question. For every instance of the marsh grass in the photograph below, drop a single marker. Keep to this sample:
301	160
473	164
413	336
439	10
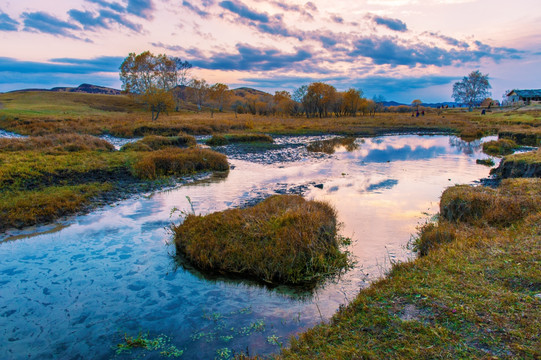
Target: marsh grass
331	145
24	208
56	143
178	162
499	147
218	140
486	206
471	297
156	142
282	240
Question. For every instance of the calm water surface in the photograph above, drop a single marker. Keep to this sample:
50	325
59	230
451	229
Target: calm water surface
73	292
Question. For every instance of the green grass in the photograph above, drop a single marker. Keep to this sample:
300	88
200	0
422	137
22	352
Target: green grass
178	162
24	208
282	240
470	297
499	147
218	140
156	142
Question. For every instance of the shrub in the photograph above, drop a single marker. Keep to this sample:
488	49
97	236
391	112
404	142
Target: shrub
284	239
156	142
499	147
175	161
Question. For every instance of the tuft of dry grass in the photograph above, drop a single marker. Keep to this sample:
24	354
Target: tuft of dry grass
177	162
156	142
283	239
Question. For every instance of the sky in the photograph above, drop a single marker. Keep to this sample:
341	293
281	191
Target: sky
399	49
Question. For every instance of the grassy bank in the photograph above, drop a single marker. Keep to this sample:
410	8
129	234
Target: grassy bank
473	294
284	239
44	178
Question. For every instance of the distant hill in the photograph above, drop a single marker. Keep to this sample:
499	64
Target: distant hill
243	91
83	88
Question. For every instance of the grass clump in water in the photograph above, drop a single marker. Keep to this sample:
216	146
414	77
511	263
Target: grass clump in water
499	147
219	140
282	240
486	162
330	146
156	142
178	162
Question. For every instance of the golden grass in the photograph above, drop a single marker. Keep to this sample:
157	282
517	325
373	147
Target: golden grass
40	113
178	162
487	206
284	239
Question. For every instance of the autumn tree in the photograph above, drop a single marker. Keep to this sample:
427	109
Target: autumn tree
283	103
151	79
220	95
320	97
472	89
416	103
198	92
352	101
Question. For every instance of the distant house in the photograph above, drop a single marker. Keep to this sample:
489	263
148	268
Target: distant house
525	96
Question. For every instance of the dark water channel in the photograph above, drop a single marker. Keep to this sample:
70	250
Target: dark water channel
73	292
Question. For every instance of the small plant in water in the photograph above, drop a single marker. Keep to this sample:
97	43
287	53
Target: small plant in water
161	344
224	353
274	340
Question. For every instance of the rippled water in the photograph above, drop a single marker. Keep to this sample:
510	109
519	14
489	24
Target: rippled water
74	291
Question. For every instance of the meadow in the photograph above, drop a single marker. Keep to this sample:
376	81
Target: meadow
473	292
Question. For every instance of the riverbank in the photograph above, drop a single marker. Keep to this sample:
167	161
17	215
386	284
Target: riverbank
476	292
47	177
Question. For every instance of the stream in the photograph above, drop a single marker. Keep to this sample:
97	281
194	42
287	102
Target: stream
75	289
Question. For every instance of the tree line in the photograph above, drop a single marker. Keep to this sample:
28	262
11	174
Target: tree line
162	83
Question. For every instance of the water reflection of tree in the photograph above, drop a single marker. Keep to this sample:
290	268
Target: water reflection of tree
467	147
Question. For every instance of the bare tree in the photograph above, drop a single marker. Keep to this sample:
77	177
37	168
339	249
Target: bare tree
472	89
